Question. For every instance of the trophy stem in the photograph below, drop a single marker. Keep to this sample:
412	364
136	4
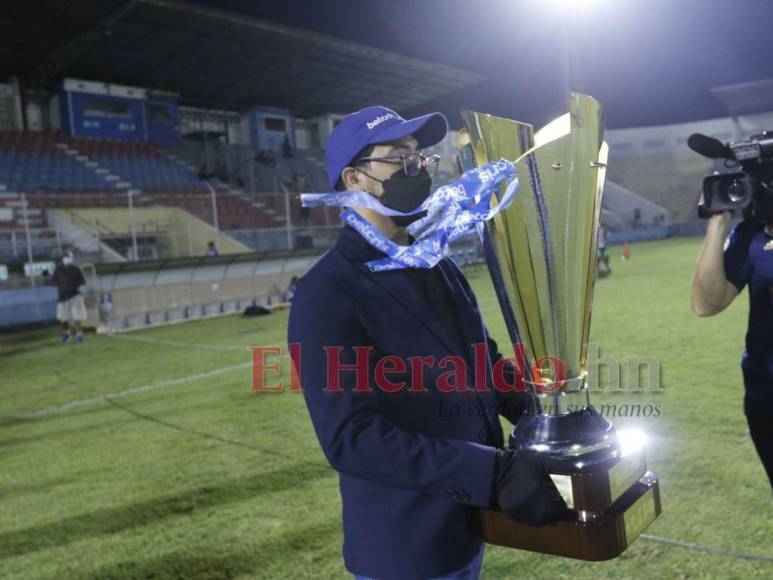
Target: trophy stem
562	398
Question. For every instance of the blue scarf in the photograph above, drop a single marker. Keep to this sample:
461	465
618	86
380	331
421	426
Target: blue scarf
453	211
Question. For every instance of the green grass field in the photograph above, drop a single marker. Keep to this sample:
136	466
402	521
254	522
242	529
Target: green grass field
192	475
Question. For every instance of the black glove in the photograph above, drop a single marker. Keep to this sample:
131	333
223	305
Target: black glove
524	491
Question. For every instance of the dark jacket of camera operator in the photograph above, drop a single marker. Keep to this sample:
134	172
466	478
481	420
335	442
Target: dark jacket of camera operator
726	264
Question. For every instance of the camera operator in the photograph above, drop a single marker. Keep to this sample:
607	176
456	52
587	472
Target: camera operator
721	272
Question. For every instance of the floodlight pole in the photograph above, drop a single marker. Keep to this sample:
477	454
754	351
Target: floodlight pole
132	228
26	218
228	162
287	222
204	135
215	221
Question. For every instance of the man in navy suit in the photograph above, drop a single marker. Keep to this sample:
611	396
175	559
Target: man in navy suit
416	441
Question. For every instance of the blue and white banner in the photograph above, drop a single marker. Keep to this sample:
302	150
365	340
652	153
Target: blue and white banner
453	211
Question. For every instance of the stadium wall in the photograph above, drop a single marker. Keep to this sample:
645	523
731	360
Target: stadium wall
164	293
27	306
133	295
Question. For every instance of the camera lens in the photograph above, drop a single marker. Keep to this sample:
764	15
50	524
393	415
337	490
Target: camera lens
735	191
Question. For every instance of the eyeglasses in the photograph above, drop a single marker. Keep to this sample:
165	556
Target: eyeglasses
413	163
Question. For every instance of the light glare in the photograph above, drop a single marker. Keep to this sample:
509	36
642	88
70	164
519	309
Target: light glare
631	440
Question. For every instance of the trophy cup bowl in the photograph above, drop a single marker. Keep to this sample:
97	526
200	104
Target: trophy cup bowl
541	253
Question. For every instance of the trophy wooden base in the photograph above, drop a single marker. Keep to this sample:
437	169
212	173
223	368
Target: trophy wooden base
593	536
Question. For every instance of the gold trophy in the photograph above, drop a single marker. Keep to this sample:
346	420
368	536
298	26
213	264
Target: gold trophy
541	253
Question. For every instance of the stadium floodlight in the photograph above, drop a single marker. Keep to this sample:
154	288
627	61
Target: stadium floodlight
572	8
574	3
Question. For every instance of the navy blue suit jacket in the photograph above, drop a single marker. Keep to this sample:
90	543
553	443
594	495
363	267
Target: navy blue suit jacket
413	466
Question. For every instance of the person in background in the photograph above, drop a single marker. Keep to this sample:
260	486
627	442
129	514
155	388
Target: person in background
287	149
602	256
212	250
70	308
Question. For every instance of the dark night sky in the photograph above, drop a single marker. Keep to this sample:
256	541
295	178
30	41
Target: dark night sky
649	62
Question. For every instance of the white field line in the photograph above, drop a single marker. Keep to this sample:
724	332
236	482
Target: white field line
149	387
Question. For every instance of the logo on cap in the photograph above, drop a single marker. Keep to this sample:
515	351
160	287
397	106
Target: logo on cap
378	120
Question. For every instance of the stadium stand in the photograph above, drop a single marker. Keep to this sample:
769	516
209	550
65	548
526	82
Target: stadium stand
670	180
49	161
34	161
233	211
55	170
650	196
656	163
245	167
631	210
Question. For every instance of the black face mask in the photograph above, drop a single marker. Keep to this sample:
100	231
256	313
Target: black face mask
404	193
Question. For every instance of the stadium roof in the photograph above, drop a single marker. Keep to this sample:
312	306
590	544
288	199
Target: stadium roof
210	57
746	98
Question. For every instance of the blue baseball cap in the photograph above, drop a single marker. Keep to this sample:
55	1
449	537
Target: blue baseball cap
377	125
